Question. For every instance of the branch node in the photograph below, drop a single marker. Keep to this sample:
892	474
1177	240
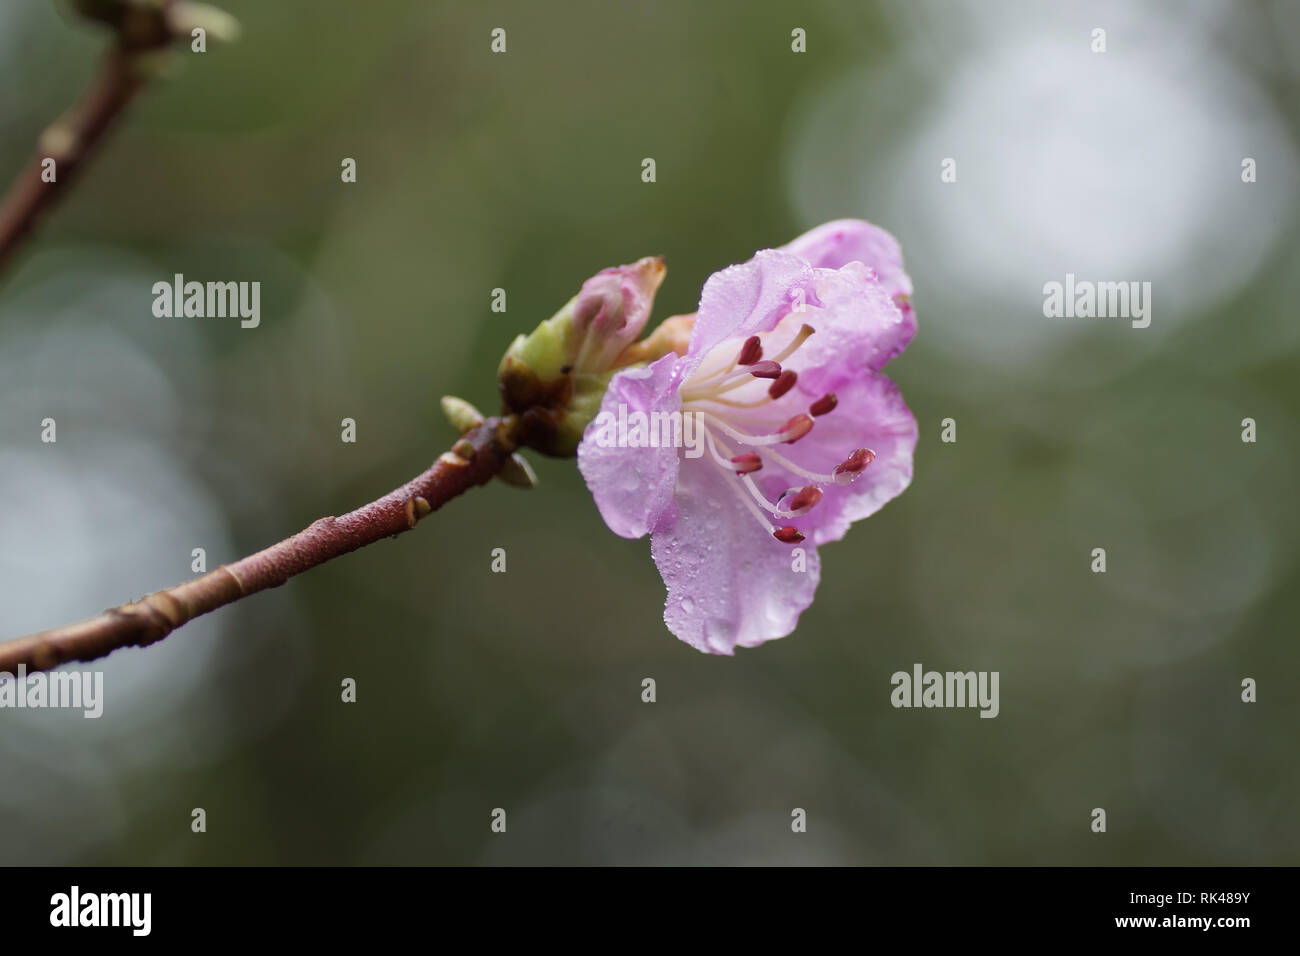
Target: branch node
465	449
416	508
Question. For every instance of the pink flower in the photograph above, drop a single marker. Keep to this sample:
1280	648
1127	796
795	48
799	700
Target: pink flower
797	433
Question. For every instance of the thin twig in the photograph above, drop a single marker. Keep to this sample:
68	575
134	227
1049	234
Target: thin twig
70	142
141	28
476	459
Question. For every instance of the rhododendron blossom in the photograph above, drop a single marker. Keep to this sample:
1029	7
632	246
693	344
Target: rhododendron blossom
803	434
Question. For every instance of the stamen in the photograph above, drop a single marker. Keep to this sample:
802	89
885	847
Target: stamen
853	466
799	338
783	383
801	500
728	380
749	503
796	428
754	441
748	355
732	403
725	461
804	500
804	505
797	469
751	357
824	405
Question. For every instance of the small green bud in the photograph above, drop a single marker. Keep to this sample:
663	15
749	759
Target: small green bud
185	15
143	25
461	414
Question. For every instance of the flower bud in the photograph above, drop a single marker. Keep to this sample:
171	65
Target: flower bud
554	378
612	309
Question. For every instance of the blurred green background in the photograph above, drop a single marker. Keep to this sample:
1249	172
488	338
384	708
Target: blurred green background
522	690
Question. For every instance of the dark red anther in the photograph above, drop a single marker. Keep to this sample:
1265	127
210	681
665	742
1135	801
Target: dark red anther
751	351
783	383
796	428
805	498
824	405
853	466
788	535
747	463
765	370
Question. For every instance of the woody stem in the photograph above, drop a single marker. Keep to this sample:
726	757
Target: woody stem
71	142
477	457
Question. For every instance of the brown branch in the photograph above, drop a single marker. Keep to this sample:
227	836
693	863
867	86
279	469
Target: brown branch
70	142
480	454
140	28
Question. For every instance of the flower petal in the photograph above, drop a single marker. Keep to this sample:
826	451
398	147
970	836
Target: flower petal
835	244
749	298
730	583
856	326
633	487
871	414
